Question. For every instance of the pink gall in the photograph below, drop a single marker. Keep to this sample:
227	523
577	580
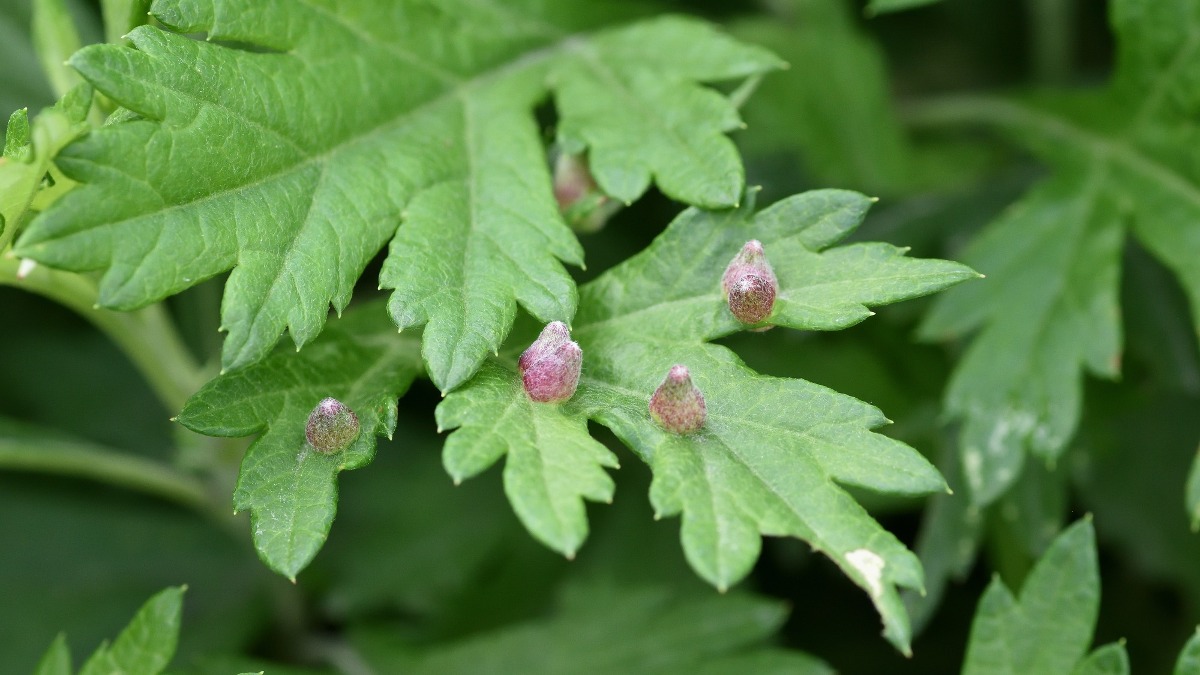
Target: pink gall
750	285
550	367
677	405
331	427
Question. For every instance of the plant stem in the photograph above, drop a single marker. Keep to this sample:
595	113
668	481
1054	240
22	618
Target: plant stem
85	460
147	336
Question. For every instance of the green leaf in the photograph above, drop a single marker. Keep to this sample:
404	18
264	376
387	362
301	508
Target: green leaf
1048	629
1048	310
553	464
147	644
603	630
289	487
16	137
774	452
29	151
304	157
1111	659
1189	657
57	659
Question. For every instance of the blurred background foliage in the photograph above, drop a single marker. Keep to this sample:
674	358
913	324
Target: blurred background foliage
418	569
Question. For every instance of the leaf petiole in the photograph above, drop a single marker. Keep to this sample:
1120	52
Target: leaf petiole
147	336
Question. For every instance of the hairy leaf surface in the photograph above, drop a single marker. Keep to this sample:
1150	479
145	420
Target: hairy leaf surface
295	163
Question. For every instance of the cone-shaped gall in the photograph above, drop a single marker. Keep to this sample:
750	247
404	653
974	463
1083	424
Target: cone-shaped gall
749	284
550	367
331	427
677	405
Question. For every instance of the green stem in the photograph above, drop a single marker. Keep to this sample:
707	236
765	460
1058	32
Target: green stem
79	460
959	110
147	336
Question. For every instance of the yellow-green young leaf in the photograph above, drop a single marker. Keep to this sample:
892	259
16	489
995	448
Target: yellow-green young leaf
1049	309
57	659
1049	627
147	644
29	151
1189	657
295	163
773	454
290	487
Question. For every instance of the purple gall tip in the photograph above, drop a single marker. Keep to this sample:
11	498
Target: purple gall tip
749	284
677	405
550	367
331	427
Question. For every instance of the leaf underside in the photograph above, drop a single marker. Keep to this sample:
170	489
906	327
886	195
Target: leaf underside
356	124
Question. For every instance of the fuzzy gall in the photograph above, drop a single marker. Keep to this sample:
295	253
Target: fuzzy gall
331	427
677	405
550	367
749	284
